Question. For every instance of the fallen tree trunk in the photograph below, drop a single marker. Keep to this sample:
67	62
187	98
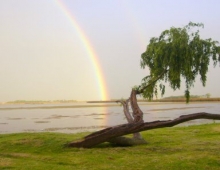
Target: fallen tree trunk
116	131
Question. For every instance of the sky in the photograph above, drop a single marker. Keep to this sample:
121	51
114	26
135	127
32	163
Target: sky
90	49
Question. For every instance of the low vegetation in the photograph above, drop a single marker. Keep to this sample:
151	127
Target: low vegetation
193	147
191	99
40	101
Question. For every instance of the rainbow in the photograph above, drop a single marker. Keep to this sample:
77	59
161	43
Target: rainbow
88	47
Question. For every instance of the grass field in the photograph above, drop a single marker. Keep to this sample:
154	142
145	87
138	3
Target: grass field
194	147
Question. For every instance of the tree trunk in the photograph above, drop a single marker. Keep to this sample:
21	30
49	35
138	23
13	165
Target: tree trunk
137	117
137	112
116	131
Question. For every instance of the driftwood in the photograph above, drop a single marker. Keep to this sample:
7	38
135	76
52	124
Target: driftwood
110	133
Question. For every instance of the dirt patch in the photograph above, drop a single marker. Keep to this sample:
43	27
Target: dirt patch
21	155
26	141
5	162
217	129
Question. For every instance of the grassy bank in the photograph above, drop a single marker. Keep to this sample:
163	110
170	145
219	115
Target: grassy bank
194	147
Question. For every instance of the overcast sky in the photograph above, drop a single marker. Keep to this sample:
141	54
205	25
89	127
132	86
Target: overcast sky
42	56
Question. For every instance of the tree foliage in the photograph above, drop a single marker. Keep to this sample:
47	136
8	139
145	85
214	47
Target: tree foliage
178	54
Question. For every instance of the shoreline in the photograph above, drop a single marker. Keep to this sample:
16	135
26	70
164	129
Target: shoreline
178	100
90	105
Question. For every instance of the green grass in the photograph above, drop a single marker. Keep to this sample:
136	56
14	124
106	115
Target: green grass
194	147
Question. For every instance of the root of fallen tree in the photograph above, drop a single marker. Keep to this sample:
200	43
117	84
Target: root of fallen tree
114	134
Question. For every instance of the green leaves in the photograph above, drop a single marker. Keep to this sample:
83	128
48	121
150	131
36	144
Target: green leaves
177	54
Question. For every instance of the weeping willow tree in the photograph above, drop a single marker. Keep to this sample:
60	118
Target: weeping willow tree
177	55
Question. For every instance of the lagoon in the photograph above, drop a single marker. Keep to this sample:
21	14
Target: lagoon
82	116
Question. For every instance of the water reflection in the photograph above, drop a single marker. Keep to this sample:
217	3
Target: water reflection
70	119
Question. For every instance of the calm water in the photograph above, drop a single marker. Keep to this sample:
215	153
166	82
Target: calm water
66	118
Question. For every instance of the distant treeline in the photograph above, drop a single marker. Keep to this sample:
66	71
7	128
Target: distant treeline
39	101
191	96
194	98
184	100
